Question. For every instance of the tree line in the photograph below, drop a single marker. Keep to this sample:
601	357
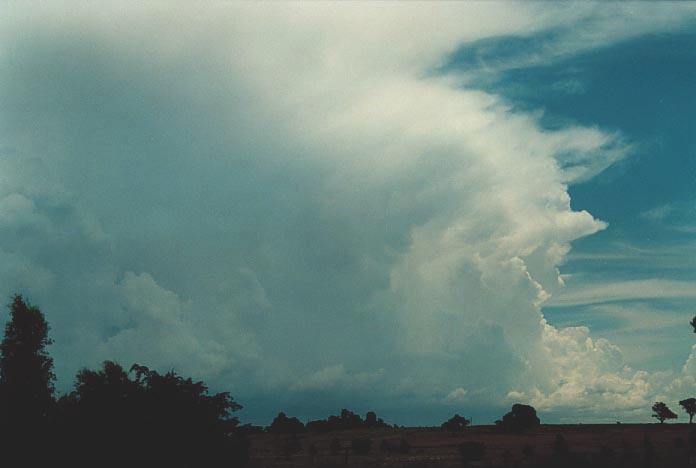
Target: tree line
113	417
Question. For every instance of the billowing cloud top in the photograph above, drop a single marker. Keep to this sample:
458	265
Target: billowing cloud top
300	203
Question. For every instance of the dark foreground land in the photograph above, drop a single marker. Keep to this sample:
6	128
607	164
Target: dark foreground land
596	446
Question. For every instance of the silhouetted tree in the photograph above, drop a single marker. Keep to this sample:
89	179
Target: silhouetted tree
662	412
26	369
689	406
26	387
471	451
455	424
519	419
346	420
162	420
371	420
285	425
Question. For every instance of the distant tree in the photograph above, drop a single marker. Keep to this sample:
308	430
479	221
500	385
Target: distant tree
519	419
471	451
346	420
371	420
689	406
455	424
285	425
26	369
662	412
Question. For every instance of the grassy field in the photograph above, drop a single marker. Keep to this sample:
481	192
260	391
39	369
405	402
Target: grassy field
616	445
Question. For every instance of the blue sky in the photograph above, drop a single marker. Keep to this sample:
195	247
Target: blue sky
417	209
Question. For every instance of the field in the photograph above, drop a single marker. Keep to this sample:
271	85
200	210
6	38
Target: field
616	445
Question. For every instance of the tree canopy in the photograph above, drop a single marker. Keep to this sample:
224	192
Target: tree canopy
163	419
689	406
455	424
661	412
518	419
26	369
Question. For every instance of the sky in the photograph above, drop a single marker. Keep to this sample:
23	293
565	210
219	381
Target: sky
417	209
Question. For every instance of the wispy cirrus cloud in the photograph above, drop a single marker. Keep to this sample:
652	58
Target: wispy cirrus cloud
631	290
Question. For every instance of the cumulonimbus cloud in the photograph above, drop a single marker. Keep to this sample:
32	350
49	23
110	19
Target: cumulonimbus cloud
269	192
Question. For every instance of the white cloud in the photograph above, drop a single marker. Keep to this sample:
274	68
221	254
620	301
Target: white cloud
657	214
458	395
303	190
157	329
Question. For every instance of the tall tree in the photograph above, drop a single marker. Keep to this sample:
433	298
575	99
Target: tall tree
689	406
26	369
